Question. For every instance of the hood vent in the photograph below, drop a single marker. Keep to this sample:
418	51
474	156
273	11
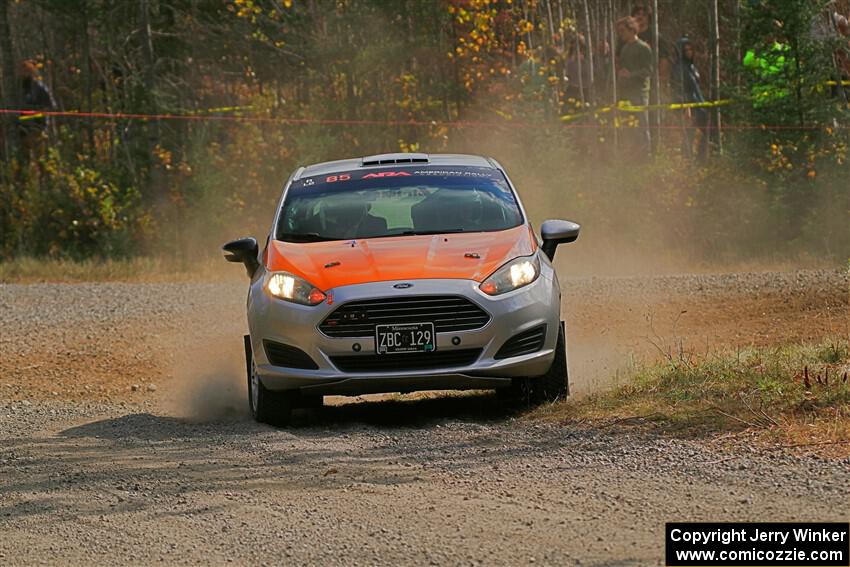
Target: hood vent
389	159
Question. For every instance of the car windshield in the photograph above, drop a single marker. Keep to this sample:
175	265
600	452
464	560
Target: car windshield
403	201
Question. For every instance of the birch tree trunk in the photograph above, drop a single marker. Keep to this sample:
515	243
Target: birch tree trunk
591	91
715	76
612	34
656	78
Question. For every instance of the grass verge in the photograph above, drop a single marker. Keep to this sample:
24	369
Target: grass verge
140	269
790	396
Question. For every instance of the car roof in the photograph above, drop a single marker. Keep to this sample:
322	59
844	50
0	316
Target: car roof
394	160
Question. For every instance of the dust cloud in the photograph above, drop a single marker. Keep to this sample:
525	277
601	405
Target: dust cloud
667	214
208	383
663	217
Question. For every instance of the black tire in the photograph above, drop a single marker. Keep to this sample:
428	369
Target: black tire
267	406
555	384
552	386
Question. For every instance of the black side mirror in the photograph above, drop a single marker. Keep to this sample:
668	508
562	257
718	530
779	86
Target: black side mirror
244	250
555	232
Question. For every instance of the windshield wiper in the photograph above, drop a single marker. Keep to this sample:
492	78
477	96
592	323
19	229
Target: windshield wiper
304	237
316	237
424	232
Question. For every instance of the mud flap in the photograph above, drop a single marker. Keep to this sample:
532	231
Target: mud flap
248	356
566	358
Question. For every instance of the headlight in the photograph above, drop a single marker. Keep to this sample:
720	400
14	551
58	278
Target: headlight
292	288
513	275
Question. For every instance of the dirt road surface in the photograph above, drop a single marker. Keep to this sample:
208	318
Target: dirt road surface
124	438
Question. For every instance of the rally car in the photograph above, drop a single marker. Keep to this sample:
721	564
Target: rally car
398	273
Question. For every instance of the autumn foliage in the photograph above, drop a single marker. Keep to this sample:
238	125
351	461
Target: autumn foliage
262	86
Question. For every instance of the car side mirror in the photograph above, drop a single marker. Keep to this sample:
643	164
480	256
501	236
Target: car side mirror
555	232
243	250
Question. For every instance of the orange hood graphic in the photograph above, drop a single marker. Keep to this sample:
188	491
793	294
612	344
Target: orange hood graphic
472	256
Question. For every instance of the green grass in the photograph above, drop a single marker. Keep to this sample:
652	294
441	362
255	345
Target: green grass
796	394
140	269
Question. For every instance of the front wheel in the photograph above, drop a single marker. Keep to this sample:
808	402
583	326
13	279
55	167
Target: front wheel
552	386
267	406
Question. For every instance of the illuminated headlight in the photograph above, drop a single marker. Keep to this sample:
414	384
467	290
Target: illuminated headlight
513	275
292	288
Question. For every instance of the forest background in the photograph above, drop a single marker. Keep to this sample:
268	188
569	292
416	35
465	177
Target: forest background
180	120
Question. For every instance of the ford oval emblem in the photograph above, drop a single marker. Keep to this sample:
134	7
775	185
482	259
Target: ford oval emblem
403	285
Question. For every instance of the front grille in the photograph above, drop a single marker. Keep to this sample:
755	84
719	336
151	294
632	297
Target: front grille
407	361
523	343
288	356
448	313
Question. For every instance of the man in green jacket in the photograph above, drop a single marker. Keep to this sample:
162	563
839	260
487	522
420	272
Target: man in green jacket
634	68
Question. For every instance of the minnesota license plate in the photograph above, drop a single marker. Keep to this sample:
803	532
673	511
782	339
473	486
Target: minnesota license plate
411	337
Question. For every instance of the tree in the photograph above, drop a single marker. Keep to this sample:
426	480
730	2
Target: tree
9	95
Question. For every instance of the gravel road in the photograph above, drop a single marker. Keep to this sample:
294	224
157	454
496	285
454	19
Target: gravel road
124	439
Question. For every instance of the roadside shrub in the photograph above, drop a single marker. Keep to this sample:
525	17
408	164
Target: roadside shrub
69	209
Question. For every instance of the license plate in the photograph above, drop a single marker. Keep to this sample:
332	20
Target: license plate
411	337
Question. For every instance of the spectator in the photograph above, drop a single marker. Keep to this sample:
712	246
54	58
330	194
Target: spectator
634	67
686	89
842	54
576	71
34	96
841	24
843	61
643	17
601	70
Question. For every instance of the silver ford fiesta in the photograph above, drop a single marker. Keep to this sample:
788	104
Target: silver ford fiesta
397	273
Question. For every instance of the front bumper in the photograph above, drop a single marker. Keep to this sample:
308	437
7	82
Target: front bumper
511	313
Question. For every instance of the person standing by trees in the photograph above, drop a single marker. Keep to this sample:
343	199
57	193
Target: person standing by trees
686	89
842	52
34	96
634	67
643	17
576	71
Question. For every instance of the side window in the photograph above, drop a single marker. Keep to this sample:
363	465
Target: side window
301	215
